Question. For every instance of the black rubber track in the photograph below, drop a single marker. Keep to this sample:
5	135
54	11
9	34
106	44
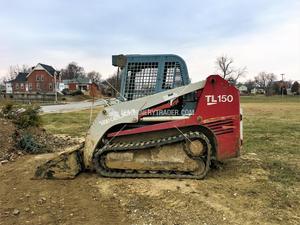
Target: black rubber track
99	157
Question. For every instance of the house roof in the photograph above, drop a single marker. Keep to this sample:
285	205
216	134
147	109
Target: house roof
49	69
40	66
21	77
80	80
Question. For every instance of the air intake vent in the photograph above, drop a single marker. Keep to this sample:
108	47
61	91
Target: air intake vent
221	126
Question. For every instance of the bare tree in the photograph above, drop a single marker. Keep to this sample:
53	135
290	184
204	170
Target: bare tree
95	76
224	64
72	71
295	88
265	80
250	84
3	80
14	70
240	72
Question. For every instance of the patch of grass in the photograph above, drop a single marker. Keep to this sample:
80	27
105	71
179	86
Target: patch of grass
74	124
76	98
270	99
283	199
272	127
4	102
282	172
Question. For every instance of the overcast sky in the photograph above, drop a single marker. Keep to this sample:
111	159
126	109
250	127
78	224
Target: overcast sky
263	35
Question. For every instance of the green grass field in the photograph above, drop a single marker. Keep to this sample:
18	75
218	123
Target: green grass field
270	99
272	131
74	124
272	123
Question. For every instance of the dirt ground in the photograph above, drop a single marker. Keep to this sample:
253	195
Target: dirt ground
6	139
231	195
260	187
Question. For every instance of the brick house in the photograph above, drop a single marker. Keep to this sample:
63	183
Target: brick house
19	84
84	84
41	79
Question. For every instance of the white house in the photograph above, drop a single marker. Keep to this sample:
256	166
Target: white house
8	88
243	89
258	91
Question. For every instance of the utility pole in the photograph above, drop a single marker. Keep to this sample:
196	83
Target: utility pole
55	89
0	91
92	91
282	84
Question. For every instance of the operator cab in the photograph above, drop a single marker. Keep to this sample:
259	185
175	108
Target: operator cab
143	75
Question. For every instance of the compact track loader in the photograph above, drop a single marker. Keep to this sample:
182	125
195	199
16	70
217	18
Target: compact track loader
164	126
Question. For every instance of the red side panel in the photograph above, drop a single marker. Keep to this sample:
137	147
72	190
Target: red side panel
218	109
